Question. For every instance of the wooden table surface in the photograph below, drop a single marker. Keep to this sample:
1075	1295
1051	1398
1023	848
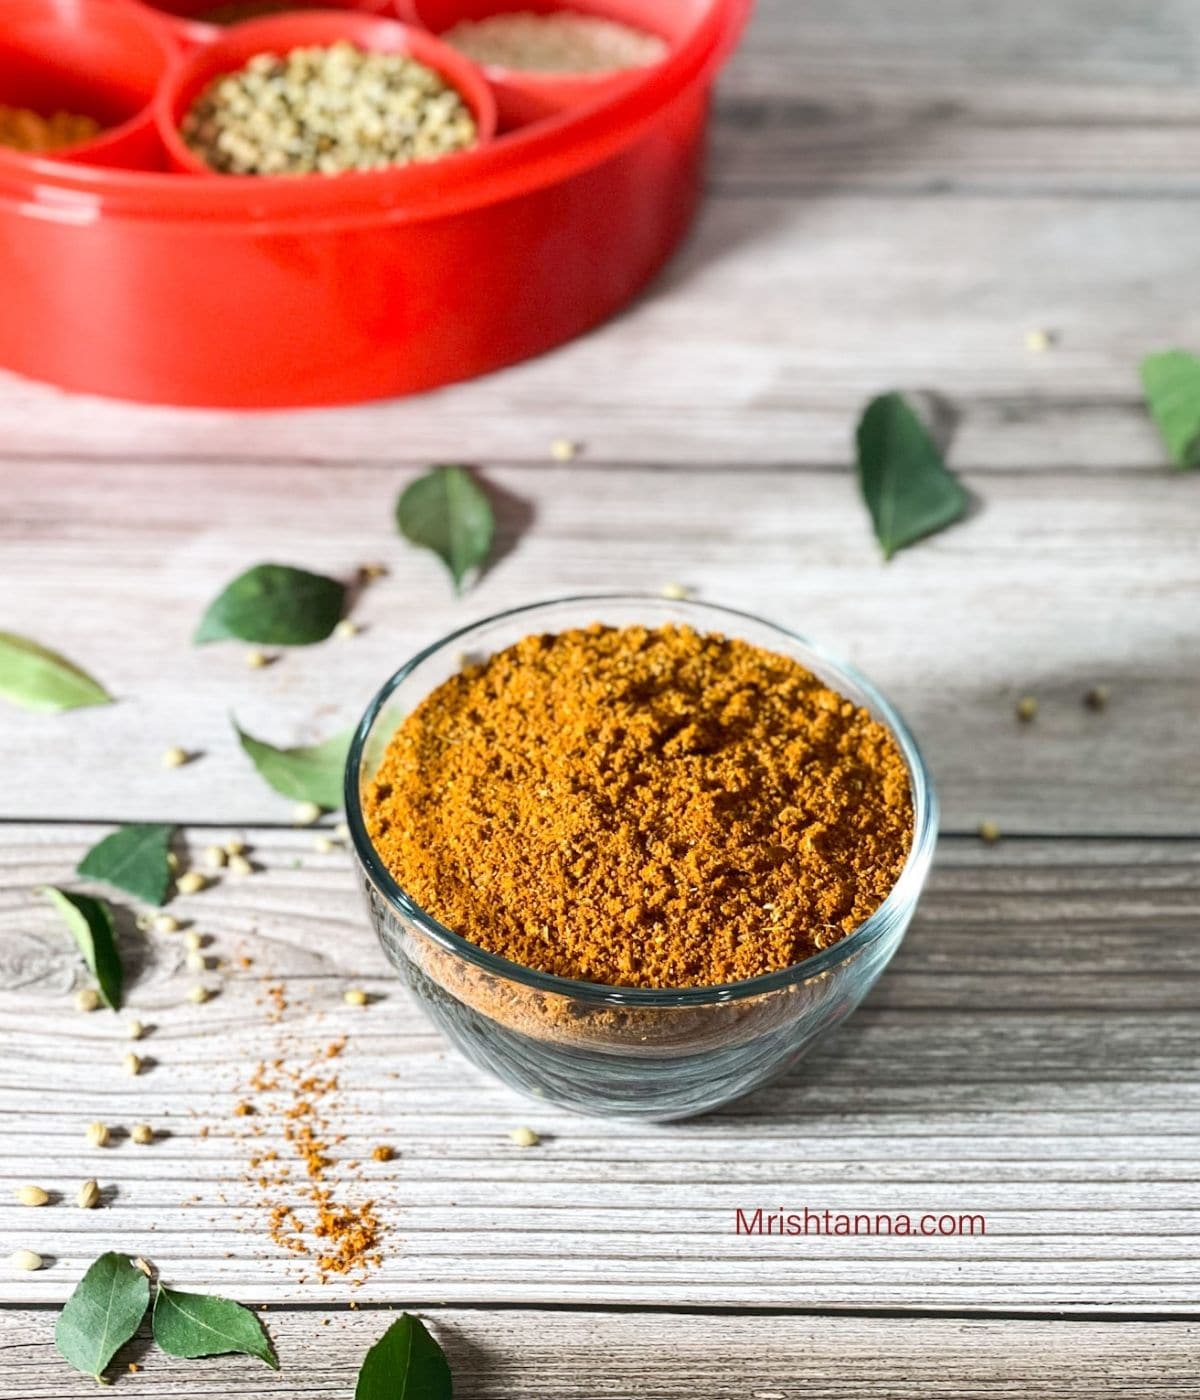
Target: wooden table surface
900	191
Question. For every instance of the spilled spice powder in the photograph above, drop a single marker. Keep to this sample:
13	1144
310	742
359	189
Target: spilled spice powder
643	807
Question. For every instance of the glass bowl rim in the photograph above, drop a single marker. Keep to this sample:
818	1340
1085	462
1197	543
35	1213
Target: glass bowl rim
901	899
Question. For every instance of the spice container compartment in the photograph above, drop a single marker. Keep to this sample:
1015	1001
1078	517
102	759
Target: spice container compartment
104	60
524	95
604	1050
251	293
203	21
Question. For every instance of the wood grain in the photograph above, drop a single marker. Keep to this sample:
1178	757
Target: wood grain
1048	588
621	1356
1031	1056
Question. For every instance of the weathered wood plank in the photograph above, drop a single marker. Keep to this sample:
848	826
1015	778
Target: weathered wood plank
761	344
1031	1057
1049	588
620	1356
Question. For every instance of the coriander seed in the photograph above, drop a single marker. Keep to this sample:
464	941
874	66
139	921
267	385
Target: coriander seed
25	1259
140	1263
98	1134
196	962
675	592
174	758
347	628
133	1063
88	1196
235	847
165	923
989	832
564	450
214	857
32	1196
1027	708
198	994
135	1030
141	1133
239	866
306	813
193	941
355	996
1097	697
191	882
87	999
524	1137
256	660
324	845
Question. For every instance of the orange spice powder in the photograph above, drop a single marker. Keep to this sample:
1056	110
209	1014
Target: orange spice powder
643	807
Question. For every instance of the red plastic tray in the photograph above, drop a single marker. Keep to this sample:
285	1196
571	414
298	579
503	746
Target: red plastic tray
123	277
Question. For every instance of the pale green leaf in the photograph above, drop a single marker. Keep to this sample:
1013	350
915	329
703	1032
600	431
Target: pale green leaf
91	924
314	773
1171	381
36	678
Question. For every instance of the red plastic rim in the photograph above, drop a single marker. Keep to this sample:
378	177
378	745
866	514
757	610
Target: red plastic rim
532	159
186	17
317	28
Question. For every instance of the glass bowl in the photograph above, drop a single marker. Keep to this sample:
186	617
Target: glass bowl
650	1054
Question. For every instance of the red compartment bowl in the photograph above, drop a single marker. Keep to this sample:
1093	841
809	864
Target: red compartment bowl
525	96
104	60
187	17
239	292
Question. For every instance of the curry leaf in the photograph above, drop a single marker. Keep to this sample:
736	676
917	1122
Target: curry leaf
133	859
91	925
194	1324
36	678
904	481
446	511
308	774
275	604
405	1364
1171	381
102	1314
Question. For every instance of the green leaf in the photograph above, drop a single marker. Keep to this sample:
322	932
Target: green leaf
38	679
276	604
446	511
102	1314
193	1324
91	925
133	859
1171	381
405	1364
904	481
308	774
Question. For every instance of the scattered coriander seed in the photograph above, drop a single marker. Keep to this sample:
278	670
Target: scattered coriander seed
214	857
306	813
173	862
196	962
174	758
256	660
88	1196
347	628
98	1134
141	1133
135	1030
1098	697
1037	342
165	923
368	573
193	940
239	865
140	1263
342	831
564	450
132	1063
524	1137
87	999
235	847
355	996
675	592
383	1153
323	845
1027	708
32	1196
989	832
190	882
25	1259
198	994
